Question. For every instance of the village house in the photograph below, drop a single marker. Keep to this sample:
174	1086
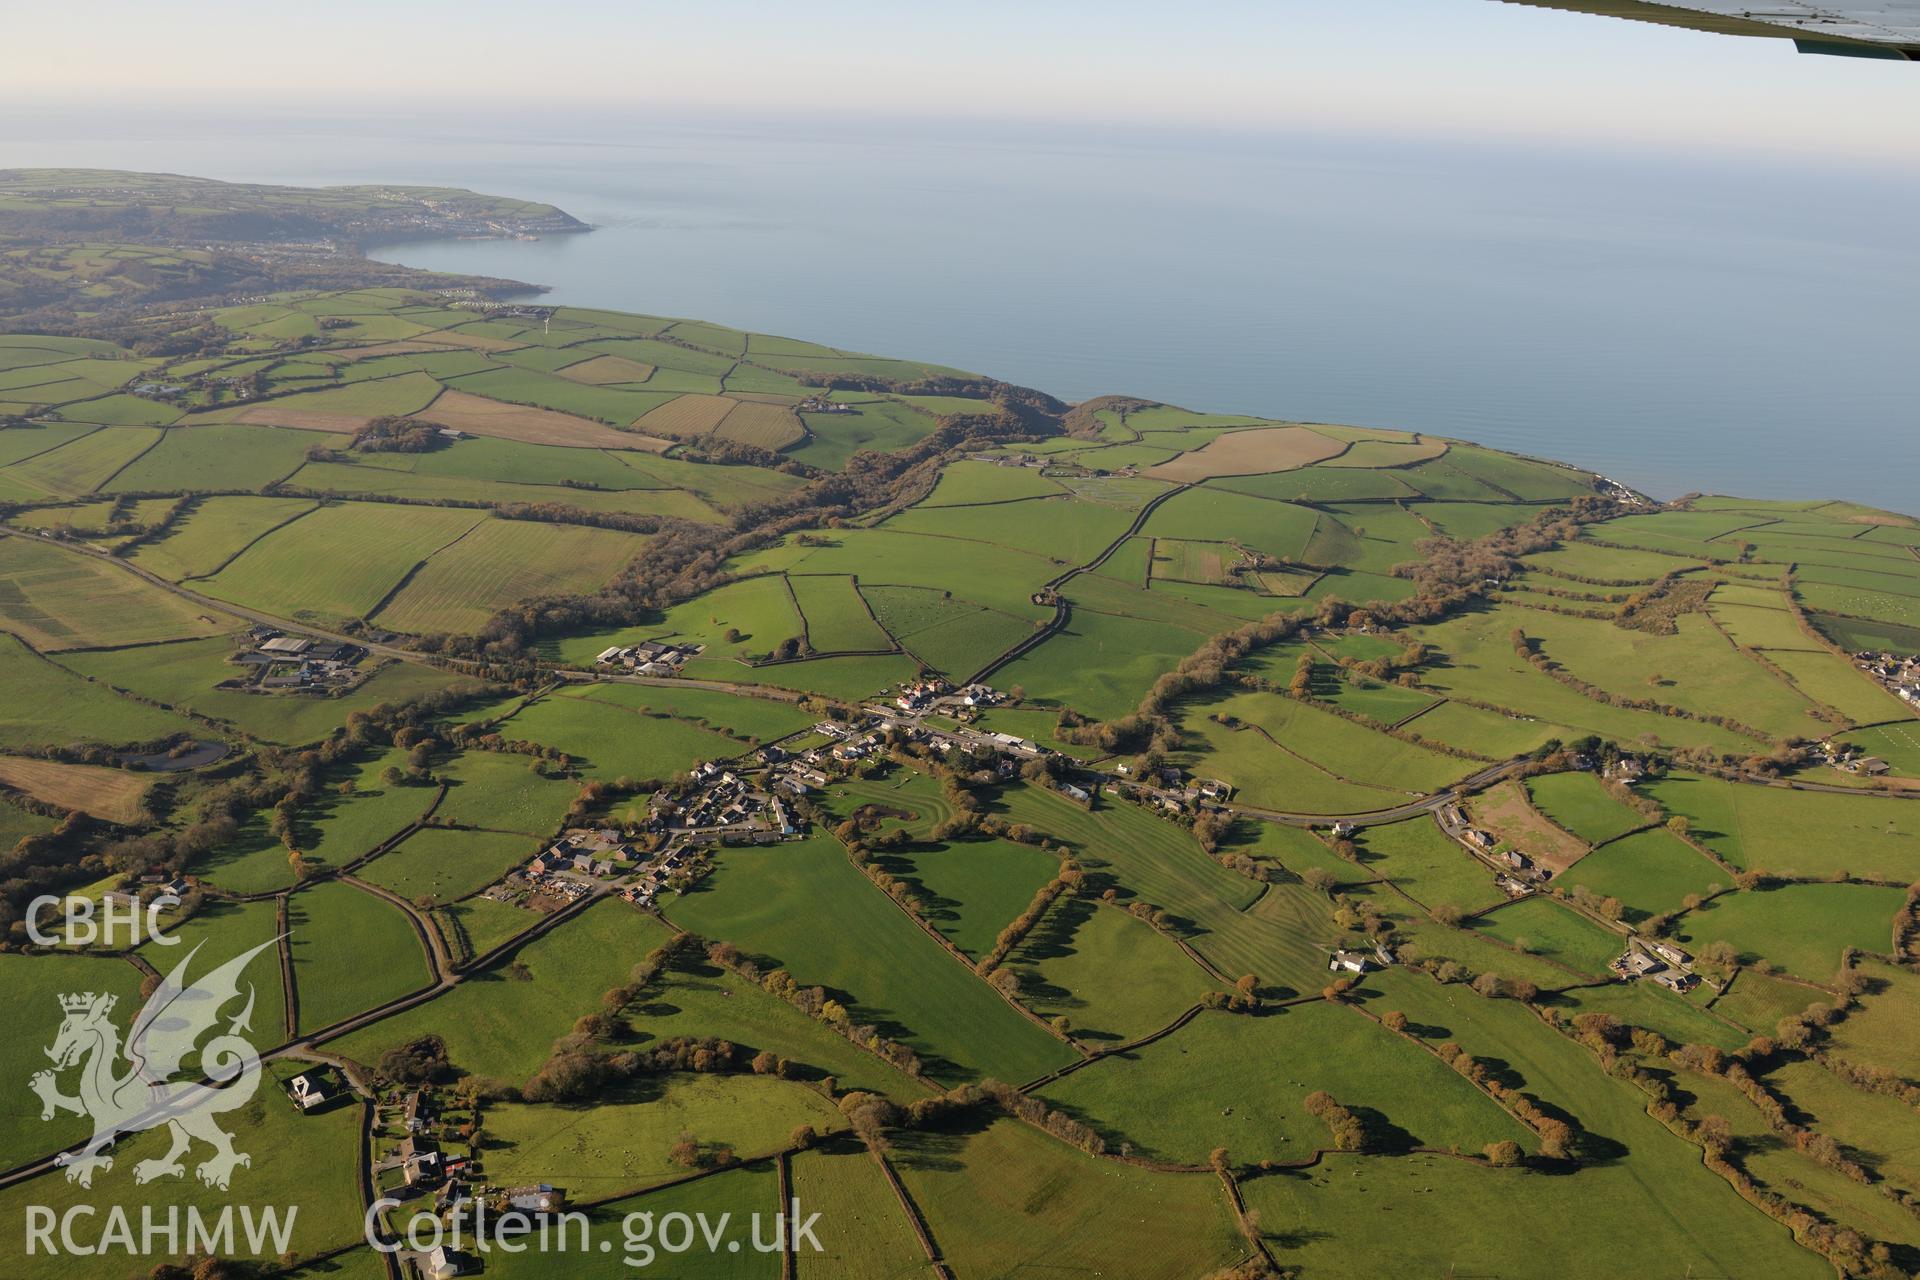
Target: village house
1349	961
421	1159
311	1090
536	1199
443	1263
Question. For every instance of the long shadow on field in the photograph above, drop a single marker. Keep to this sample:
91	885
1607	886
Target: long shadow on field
937	909
938	1149
1052	938
931	1063
1117	1139
1383	1135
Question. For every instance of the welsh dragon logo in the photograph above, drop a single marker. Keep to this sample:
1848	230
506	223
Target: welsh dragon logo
133	1090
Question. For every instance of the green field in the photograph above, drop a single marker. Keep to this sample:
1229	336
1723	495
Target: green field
1797	832
502	1023
1578	802
57	599
213	532
731	1198
865	1231
185	675
747	718
1109	975
339	563
1801	927
1786	1171
1280	933
498	791
1675	1207
502	562
445	865
695	998
1006	1200
1650	873
1545	928
42	704
1881	1030
971	889
1428	866
622	1143
767	902
1152	1098
351	951
221	457
610	741
837	618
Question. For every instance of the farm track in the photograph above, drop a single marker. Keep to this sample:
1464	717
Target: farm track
1061	610
1380	817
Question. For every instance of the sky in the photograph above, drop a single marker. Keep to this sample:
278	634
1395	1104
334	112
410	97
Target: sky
1406	67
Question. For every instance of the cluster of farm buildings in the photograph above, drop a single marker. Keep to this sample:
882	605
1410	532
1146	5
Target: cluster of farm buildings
649	659
281	663
1658	962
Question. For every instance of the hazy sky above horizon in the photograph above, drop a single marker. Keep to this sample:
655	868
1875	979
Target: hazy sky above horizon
1459	67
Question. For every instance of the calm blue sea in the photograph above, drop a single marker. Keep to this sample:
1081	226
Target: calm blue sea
1680	321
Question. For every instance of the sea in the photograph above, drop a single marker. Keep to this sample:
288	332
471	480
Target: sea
1679	319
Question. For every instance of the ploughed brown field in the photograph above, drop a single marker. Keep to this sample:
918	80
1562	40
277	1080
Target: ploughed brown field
1245	453
267	415
605	370
110	794
770	426
481	417
687	416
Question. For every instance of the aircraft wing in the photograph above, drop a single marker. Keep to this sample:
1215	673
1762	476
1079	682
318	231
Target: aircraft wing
1851	28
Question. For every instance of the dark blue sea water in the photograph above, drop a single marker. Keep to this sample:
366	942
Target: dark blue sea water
1680	321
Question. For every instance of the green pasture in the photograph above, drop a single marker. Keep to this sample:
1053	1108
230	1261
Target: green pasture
837	619
1803	928
624	1142
1649	873
1808	833
444	865
351	951
806	907
43	704
608	741
1153	1098
1578	802
213	531
1006	1199
502	1023
185	674
1112	977
1544	927
339	563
